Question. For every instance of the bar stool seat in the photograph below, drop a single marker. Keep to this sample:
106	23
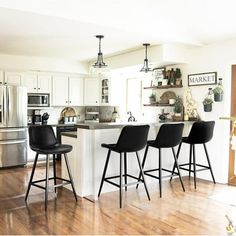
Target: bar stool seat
42	140
56	149
133	138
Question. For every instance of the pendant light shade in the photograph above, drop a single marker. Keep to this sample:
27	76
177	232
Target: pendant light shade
99	63
145	64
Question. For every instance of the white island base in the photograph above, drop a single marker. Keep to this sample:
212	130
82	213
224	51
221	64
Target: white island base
87	158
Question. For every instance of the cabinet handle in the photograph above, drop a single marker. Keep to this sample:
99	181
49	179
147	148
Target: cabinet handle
66	102
70	101
38	88
34	88
5	83
96	101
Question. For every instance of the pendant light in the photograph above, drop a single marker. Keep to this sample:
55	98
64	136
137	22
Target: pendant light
99	63
145	65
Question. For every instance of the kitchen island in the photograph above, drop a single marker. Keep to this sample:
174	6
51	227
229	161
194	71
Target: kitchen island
87	158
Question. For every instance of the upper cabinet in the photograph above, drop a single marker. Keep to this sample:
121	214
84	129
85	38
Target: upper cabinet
103	91
37	83
67	91
12	78
76	93
91	92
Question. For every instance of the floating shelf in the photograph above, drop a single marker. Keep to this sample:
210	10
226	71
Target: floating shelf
158	105
164	87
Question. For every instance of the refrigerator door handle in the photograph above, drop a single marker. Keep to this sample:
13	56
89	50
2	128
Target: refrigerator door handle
8	104
12	142
4	120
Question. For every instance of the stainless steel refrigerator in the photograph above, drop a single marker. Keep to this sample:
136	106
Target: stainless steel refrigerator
13	126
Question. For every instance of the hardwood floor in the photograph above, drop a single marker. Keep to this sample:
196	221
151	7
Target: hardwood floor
178	213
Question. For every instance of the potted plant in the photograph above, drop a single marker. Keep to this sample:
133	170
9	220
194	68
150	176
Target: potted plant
207	103
178	76
152	98
218	93
178	109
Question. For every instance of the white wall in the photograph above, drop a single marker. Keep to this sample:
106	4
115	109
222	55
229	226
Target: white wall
16	62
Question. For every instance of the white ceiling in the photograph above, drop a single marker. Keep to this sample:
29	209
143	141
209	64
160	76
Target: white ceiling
66	28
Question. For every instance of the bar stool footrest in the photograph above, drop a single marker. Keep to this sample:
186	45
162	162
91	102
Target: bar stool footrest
157	177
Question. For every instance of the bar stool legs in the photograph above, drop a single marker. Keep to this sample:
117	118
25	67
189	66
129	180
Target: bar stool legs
46	180
178	169
54	172
192	162
209	163
31	176
104	172
70	176
160	169
123	165
142	174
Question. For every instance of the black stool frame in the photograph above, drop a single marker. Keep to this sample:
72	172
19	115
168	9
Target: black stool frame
132	139
162	141
43	141
201	133
192	162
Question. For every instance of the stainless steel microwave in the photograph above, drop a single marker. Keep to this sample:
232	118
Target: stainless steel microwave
38	100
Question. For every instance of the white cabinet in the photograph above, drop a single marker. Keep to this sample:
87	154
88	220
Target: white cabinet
37	83
105	92
67	91
91	91
76	94
12	78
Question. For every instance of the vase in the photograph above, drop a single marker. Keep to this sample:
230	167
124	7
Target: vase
218	97
208	107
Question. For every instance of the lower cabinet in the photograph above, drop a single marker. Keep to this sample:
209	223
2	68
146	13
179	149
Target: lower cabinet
73	163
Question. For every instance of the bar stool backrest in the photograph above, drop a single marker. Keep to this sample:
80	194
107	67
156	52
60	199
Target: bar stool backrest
42	137
201	132
169	135
132	138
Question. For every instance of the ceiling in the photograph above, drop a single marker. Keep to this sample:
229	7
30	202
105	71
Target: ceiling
66	28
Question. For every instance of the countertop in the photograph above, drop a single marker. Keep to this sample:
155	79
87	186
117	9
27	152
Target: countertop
113	125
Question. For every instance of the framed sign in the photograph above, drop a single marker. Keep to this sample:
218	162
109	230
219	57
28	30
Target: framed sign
202	79
158	76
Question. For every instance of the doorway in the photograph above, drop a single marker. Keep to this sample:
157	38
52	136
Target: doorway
232	161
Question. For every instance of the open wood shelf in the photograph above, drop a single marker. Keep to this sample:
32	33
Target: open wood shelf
158	105
164	87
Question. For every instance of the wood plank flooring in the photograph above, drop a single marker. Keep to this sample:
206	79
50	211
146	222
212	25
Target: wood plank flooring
177	213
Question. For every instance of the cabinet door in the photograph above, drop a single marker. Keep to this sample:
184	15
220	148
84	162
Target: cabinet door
12	78
76	91
91	91
60	91
44	84
105	92
30	82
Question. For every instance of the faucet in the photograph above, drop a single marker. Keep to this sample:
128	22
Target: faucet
131	117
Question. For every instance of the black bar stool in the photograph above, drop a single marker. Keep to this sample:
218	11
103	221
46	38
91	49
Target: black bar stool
132	139
200	133
42	140
169	136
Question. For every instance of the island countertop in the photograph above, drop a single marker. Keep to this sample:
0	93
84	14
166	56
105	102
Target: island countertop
117	125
